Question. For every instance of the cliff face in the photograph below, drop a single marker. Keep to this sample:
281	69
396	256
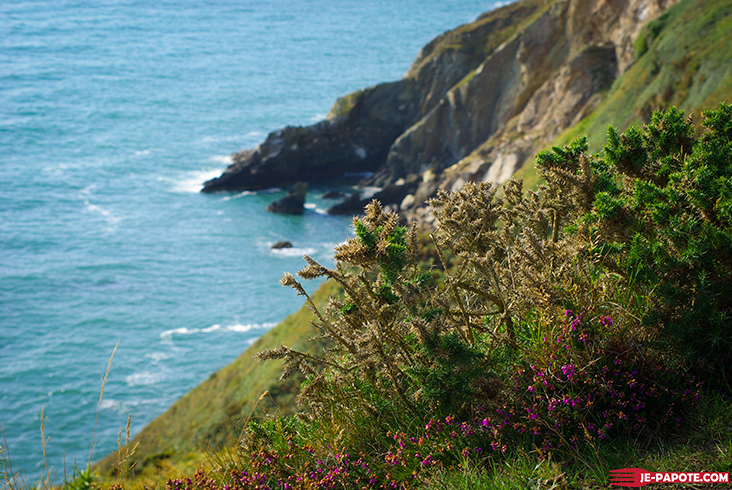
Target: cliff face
475	105
545	80
362	126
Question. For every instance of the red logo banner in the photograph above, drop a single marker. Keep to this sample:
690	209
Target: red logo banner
638	477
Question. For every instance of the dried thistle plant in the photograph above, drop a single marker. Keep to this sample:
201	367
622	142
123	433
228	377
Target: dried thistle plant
515	258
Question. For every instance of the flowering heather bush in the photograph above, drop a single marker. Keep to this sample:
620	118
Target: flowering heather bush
580	390
586	384
580	386
297	468
657	210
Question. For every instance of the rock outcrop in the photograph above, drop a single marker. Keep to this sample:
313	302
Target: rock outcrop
333	194
293	202
281	244
476	104
524	94
361	127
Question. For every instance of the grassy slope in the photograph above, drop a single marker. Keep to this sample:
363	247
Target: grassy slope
684	60
206	416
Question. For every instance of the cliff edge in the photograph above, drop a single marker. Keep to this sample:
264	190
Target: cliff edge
479	100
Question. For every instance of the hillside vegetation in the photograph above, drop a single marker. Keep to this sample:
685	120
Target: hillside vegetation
582	326
672	68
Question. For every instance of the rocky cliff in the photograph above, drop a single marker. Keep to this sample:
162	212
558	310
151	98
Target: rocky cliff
361	127
476	104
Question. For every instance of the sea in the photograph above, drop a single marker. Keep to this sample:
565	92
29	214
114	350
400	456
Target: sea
112	115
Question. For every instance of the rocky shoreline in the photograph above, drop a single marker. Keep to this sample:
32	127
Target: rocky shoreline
476	105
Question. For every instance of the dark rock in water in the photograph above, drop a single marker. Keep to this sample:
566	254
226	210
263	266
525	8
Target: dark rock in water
333	195
353	204
282	244
392	195
355	138
293	202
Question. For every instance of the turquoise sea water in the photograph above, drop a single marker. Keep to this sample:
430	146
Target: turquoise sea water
112	113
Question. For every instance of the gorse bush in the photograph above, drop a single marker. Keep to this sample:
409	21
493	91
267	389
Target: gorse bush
566	317
662	215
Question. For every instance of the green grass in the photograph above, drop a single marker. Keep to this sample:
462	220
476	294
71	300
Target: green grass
706	445
686	64
345	104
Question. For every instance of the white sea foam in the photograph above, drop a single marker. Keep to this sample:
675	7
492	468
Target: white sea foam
241	328
293	252
237	328
223	159
241	194
125	406
310	205
368	192
271	190
329	245
242	138
191	182
144	378
86	191
180	331
249	327
108	216
158	356
85	194
108	404
141	153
